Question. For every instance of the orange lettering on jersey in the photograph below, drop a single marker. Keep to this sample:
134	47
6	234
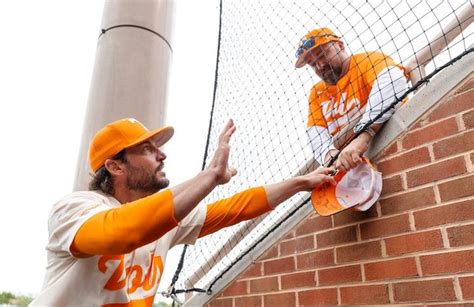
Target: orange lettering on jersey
137	279
118	280
115	282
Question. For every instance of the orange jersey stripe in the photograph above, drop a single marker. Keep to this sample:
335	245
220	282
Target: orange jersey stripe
230	211
121	230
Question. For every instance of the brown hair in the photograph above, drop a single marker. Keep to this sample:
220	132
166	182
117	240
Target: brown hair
102	180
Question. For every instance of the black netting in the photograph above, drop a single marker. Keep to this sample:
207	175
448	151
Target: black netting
258	86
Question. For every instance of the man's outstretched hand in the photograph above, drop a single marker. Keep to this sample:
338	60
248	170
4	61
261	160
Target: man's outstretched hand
219	164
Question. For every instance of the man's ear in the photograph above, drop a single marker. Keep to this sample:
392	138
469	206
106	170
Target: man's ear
114	167
341	45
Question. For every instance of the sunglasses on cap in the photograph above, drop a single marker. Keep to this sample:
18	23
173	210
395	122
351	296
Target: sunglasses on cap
309	43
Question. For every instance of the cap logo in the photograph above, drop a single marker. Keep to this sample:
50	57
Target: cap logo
135	122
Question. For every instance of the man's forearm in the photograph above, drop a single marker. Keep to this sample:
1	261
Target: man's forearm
281	191
187	195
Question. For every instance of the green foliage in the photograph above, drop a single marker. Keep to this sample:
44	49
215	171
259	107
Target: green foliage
5	297
10	298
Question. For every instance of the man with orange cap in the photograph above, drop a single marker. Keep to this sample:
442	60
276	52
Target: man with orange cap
108	246
353	90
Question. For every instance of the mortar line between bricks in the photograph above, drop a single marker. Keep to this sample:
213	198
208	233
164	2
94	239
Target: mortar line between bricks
403	172
408	150
427	185
347	244
370	261
391	295
467	160
457	289
359	284
418	266
460	122
444	236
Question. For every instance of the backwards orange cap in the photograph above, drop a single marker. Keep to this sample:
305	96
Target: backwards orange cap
122	134
311	40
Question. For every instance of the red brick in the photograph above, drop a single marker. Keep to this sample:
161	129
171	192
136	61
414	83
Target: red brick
318	297
466	85
339	275
313	225
454	145
268	284
452	213
353	216
385	227
282	299
297	280
435	172
404	161
236	288
447	305
357	252
467	287
440	290
315	259
457	188
279	266
255	270
337	236
408	201
453	105
219	302
270	253
415	242
454	262
391	269
392	185
374	294
296	245
462	235
248	301
289	235
468	119
391	149
430	133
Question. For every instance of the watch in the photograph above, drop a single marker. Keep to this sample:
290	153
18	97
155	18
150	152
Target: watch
360	128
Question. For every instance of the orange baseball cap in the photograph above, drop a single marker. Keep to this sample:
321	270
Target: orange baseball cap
311	40
359	188
121	134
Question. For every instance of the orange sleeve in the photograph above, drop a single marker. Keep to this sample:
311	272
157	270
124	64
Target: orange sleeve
315	113
230	211
121	230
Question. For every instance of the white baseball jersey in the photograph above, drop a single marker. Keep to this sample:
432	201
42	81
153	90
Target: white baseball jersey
105	280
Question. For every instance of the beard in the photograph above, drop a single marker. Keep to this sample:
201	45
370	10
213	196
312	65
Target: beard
145	180
330	74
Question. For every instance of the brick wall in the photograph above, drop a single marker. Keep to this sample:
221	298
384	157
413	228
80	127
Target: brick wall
415	246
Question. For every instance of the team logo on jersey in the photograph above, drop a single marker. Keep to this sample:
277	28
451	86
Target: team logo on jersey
145	278
333	109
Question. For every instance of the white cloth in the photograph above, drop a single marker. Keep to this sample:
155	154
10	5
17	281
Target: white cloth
102	279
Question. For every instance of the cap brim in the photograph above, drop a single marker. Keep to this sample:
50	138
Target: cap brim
160	136
301	61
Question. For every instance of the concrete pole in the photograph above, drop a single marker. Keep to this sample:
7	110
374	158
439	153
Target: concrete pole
130	77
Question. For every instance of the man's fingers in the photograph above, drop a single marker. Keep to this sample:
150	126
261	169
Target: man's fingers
327	170
233	171
330	179
227	132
